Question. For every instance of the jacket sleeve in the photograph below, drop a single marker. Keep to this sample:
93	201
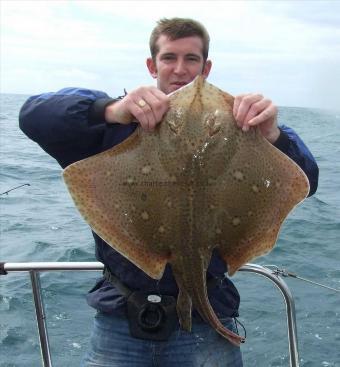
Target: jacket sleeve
291	144
69	124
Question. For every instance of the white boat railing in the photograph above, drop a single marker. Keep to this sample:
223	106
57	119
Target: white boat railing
34	269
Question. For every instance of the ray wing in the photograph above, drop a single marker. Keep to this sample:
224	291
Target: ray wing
249	200
125	192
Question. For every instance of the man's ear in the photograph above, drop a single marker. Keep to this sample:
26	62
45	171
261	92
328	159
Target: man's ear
206	68
151	67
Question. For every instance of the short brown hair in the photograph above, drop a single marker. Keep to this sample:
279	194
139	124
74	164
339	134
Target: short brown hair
176	28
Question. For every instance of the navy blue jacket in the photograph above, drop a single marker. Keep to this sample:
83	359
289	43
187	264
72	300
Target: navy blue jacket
70	126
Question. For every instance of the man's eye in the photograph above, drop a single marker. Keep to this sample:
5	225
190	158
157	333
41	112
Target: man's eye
193	59
168	57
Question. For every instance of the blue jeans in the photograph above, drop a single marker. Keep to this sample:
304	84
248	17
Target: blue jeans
112	346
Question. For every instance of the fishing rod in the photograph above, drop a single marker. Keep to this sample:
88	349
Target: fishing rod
14	188
285	273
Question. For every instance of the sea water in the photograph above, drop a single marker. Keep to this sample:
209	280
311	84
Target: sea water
39	223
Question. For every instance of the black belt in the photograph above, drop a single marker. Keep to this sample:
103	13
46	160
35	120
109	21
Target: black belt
125	291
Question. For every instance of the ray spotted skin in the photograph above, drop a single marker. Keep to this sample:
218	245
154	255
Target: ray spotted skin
196	183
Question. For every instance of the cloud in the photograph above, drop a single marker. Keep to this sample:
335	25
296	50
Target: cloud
288	50
321	13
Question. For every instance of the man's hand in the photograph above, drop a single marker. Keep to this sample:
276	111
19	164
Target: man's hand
147	105
255	110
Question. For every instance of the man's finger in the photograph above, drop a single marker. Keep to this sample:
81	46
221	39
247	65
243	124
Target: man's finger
245	104
256	109
157	107
237	102
268	113
152	104
141	114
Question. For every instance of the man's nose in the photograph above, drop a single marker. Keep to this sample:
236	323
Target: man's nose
180	67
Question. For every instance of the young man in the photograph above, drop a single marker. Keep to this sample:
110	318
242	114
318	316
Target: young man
73	124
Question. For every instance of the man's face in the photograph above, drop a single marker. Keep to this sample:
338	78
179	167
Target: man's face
178	62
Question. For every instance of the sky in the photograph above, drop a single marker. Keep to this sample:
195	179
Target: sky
287	50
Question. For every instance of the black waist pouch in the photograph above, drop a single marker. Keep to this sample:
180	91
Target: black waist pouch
151	316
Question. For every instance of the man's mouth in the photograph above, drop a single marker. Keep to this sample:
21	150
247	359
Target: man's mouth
179	84
176	85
